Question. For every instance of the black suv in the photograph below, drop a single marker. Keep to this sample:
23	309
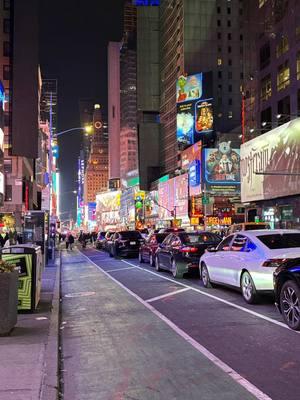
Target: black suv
125	243
287	291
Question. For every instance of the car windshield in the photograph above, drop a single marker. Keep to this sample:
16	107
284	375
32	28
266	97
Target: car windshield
280	241
199	238
254	227
128	235
160	237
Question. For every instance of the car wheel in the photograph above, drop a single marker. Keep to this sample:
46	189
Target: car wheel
248	288
157	266
205	276
290	304
151	261
175	272
141	260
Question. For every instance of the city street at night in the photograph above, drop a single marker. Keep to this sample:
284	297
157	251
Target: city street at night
148	336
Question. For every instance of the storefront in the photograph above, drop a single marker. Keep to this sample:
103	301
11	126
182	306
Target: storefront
270	166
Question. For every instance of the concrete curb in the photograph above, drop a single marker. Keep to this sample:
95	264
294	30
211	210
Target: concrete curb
49	387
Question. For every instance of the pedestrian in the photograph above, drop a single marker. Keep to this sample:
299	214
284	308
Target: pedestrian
71	241
67	241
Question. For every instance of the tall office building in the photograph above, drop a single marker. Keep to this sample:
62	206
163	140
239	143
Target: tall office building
96	174
272	88
86	112
113	55
128	133
20	75
200	36
49	103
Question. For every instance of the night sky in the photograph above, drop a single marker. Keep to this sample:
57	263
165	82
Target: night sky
73	49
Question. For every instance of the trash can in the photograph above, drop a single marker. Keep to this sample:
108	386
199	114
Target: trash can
28	259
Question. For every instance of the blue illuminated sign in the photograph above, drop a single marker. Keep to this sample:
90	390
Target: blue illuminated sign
194	173
146	2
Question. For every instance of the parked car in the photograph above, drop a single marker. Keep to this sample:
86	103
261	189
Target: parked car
107	241
180	251
148	249
287	291
247	226
100	240
125	243
247	260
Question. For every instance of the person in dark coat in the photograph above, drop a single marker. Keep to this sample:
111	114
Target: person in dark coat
71	241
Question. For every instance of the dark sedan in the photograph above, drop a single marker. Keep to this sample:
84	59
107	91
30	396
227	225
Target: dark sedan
125	243
287	291
180	251
148	249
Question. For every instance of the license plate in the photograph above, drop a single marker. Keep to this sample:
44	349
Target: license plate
132	243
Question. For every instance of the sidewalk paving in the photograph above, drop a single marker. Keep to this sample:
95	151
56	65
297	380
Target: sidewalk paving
28	357
116	349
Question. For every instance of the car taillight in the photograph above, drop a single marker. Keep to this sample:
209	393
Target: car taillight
274	262
188	249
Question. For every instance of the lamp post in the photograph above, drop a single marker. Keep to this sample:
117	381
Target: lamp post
87	129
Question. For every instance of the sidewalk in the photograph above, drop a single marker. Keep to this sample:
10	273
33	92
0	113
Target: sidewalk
28	357
116	349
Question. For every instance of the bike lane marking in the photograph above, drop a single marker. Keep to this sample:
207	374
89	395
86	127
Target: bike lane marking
255	391
166	295
254	313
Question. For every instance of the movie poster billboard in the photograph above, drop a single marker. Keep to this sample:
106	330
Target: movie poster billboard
222	169
204	116
189	88
270	164
194	108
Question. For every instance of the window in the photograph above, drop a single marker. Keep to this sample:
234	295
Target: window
6	25
229	88
6	72
261	3
283	76
219	10
229	74
219	22
265	88
219	35
229	36
230	102
266	118
284	108
220	74
298	65
228	23
219	61
264	55
225	244
277	241
229	49
6	49
228	10
239	243
8	193
230	114
8	165
230	61
282	46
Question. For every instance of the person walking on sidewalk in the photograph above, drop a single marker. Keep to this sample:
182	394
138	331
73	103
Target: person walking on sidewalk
71	241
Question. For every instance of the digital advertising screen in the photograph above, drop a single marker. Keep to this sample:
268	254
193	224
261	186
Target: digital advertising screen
222	169
185	123
189	88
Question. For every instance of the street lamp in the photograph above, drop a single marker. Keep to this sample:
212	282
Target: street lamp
87	129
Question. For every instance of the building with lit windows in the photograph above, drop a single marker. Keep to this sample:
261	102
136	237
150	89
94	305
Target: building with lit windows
96	173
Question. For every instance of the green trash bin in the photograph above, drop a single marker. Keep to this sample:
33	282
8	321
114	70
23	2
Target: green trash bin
28	259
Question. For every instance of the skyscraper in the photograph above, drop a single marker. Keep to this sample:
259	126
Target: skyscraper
49	102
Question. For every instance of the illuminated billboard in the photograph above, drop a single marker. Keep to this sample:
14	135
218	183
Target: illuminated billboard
270	164
222	169
189	88
173	196
194	108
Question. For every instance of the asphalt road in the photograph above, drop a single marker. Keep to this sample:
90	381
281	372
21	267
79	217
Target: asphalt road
251	339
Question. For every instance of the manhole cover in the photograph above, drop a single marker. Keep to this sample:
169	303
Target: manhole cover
80	294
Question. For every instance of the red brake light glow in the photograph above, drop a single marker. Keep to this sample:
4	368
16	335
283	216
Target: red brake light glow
189	249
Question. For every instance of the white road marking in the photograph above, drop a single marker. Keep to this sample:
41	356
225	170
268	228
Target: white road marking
254	313
166	295
215	360
119	269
